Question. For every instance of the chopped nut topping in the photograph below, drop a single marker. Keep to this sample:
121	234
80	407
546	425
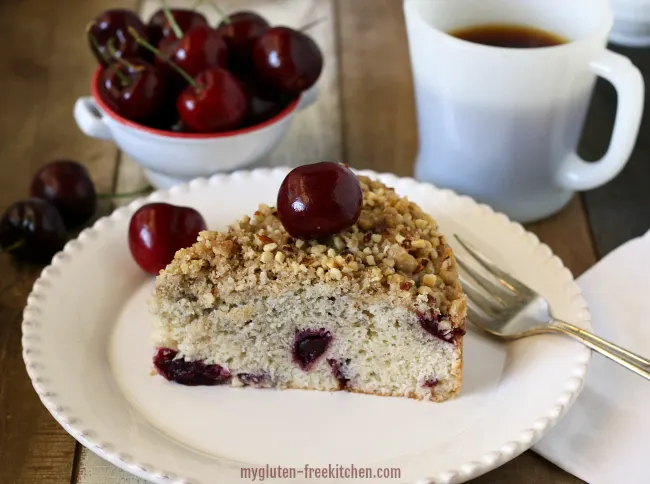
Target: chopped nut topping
263	239
318	249
270	247
394	246
336	274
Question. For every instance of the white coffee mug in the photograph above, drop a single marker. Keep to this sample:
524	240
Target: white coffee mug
502	124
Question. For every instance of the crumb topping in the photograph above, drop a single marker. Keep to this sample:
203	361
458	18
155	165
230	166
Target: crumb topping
394	246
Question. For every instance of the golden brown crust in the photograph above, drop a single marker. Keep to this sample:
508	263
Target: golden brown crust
394	247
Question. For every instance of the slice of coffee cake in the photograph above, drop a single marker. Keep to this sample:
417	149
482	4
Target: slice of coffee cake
376	308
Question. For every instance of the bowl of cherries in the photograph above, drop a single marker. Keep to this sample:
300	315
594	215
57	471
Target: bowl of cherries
187	99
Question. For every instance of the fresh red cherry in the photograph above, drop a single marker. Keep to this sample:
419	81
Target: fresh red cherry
201	48
67	185
240	31
319	200
287	60
158	230
32	230
159	27
216	102
136	91
112	25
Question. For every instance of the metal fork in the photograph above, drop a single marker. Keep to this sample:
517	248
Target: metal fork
505	307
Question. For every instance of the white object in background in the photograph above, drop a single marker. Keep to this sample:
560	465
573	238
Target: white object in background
171	158
87	348
604	438
631	23
501	124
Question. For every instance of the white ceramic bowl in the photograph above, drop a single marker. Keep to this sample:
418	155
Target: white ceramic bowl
170	158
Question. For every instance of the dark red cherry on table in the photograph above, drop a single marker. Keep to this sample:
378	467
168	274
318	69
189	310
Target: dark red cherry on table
201	48
287	60
319	200
217	102
240	31
32	230
136	91
112	25
67	185
158	230
159	27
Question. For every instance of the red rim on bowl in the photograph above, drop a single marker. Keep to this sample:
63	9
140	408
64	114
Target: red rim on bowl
94	88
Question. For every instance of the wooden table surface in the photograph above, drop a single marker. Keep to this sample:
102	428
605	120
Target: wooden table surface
365	116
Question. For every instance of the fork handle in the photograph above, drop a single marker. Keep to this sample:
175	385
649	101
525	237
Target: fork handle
631	361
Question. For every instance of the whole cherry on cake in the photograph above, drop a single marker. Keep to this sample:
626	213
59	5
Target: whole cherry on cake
67	185
158	230
32	230
319	200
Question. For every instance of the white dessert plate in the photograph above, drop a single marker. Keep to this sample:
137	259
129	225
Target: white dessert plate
87	350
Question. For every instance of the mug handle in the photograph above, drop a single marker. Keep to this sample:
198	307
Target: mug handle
90	120
575	173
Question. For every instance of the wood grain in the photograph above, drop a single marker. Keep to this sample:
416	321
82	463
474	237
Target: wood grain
379	126
44	66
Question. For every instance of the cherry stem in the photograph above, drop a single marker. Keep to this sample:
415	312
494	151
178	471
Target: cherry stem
111	50
304	28
123	79
172	21
13	246
158	53
142	191
196	4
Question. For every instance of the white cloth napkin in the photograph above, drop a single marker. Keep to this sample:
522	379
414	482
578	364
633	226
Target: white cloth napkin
605	436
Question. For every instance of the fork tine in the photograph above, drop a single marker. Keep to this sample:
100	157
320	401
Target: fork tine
477	319
492	288
479	300
505	279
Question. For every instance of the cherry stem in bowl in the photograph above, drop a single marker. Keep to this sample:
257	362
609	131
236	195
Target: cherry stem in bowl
157	52
308	26
111	50
13	246
172	21
123	79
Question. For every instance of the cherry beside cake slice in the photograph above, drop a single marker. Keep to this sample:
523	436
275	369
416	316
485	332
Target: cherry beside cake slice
376	308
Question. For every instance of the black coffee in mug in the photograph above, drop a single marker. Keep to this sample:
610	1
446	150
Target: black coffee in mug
507	35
